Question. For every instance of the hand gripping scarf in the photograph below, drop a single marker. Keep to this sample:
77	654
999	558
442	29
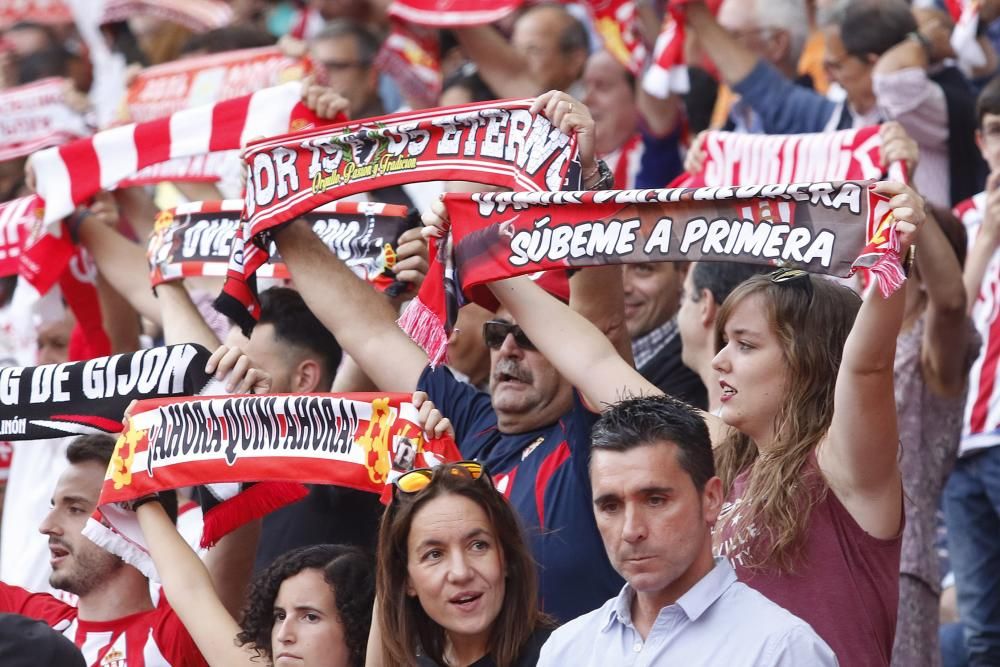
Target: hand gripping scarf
36	116
360	441
751	159
184	84
83	397
196	239
832	228
499	143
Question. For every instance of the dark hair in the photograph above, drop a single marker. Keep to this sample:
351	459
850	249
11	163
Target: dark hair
467	77
404	624
293	322
99	448
574	36
988	101
368	44
646	420
721	278
875	26
51	61
228	38
347	570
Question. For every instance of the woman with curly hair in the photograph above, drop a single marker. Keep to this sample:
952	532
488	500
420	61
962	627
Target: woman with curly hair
311	607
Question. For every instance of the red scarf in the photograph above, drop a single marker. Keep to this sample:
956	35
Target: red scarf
360	441
500	143
832	228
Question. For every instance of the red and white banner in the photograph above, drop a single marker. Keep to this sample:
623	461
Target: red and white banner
616	22
35	11
754	159
70	175
411	55
183	84
452	13
359	441
16	218
36	116
195	15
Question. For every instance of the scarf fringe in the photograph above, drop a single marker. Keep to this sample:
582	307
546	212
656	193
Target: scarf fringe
888	274
110	540
252	503
423	325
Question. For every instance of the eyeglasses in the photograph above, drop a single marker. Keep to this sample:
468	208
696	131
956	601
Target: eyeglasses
339	65
793	277
417	480
495	333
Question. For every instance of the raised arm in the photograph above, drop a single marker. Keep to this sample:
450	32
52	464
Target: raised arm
182	323
858	456
189	589
500	65
987	239
119	260
363	321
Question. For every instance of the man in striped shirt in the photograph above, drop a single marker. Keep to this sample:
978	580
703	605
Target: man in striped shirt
115	623
972	496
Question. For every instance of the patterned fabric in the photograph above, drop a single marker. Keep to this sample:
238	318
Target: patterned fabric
646	346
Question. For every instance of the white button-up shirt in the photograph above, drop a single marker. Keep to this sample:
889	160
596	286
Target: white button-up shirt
719	621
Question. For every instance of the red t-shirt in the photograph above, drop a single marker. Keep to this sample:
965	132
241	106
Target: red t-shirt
847	586
154	638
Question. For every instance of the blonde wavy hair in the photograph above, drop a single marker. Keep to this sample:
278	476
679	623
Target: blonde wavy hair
811	321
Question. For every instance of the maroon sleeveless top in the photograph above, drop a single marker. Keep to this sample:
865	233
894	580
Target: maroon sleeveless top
845	585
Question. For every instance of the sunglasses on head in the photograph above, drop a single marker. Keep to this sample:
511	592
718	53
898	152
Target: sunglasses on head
793	277
417	480
495	333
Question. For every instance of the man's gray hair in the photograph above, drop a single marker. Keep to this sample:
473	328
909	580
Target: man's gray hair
792	16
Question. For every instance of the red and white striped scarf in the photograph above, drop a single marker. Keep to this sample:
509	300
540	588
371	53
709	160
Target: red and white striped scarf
360	441
667	73
195	15
16	219
36	116
411	56
184	84
617	22
450	14
500	142
69	175
35	11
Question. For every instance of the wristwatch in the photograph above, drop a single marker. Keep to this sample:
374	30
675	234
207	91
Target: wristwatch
605	180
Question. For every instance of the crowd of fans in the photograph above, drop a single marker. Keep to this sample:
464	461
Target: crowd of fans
705	463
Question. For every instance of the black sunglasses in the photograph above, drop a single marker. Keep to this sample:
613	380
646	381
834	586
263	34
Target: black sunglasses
495	333
793	277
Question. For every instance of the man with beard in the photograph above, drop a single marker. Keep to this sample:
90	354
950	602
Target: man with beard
532	431
115	621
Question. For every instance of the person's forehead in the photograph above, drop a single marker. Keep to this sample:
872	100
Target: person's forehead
343	47
649	464
603	65
82	480
991	119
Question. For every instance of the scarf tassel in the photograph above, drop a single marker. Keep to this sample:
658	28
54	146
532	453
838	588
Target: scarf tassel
426	329
251	503
117	543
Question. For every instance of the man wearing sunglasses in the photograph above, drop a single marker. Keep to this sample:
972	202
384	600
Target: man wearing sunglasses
532	430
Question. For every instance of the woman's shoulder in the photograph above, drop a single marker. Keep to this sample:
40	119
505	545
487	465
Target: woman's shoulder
533	647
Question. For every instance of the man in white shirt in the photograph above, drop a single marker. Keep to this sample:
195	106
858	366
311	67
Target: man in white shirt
656	499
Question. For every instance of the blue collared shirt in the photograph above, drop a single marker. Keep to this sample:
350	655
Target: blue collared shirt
719	621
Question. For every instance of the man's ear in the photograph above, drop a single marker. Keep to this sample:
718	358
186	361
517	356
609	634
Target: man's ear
712	498
307	376
708	308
